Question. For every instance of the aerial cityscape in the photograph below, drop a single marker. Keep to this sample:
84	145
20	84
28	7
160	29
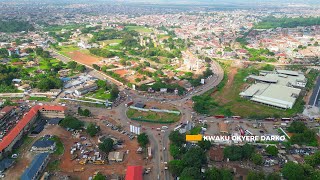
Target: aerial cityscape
160	90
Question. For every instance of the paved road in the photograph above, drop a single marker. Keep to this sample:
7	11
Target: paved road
160	155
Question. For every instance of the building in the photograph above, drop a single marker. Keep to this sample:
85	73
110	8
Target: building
279	88
5	114
23	126
223	127
36	167
134	173
6	164
85	89
216	154
43	146
272	95
115	156
140	105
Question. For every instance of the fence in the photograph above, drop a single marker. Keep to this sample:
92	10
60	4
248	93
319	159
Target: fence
155	110
152	121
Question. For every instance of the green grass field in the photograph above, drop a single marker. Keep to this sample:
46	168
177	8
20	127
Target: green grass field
59	146
45	65
60	27
64	50
39	99
107	42
140	29
99	94
153	116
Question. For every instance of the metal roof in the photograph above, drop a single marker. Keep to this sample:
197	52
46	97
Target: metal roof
32	171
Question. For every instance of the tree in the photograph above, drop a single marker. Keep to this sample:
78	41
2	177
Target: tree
86	112
234	153
96	67
191	173
297	127
205	145
81	68
46	84
257	159
114	93
313	160
177	138
253	175
273	176
272	150
215	173
176	167
293	171
106	145
99	176
92	129
247	151
176	151
72	123
194	157
3	53
72	64
143	139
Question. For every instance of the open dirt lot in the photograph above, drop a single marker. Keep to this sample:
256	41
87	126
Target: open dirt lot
228	87
119	168
67	166
83	58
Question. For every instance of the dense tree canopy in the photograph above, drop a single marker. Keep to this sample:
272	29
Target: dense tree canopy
48	83
272	150
235	153
72	123
143	139
215	173
273	22
92	129
107	145
15	26
302	134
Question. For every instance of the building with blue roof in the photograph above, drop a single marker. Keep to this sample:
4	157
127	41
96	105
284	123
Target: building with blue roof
36	167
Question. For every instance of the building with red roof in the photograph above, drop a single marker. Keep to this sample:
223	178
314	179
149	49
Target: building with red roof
22	127
134	173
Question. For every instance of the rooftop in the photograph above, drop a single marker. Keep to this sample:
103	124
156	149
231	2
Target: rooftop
32	171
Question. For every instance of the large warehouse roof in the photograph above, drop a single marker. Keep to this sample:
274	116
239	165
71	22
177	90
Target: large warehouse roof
277	95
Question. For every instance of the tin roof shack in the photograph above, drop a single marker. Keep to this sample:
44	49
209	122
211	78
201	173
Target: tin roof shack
223	127
38	164
216	154
116	156
43	146
5	164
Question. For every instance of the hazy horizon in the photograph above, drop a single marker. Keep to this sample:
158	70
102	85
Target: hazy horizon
187	2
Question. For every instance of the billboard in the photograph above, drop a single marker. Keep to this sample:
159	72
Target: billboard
135	129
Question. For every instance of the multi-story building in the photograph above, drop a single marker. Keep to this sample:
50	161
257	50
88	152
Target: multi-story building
26	123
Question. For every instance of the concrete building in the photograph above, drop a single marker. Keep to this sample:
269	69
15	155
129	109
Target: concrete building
85	89
23	126
279	88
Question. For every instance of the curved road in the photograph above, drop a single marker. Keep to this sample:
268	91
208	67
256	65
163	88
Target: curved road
157	142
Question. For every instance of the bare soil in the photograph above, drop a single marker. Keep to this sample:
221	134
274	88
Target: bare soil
83	58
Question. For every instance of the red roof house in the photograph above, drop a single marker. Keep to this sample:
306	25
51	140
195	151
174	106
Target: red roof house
134	173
